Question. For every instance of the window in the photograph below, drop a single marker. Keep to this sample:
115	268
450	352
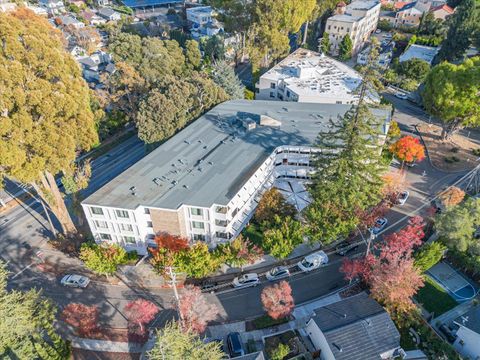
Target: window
196	211
101	224
105	237
235	212
149	224
97	210
339	102
129	239
147	211
272	85
198	225
222	235
122	213
329	27
198	237
126	227
288	93
272	94
222	223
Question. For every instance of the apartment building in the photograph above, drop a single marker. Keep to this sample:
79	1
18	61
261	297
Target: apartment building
357	20
308	76
205	182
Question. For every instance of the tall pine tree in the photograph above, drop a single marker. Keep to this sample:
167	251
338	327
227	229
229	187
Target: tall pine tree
348	173
463	26
224	76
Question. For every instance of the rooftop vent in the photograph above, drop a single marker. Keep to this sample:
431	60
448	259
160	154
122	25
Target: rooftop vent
186	142
210	163
338	347
157	181
185	186
133	190
269	121
249	124
174	182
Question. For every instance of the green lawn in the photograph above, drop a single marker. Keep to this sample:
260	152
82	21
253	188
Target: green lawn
254	233
435	299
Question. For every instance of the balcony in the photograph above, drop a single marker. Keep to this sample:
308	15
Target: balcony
221	223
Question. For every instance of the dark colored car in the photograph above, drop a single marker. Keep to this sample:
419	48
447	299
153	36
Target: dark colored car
344	249
234	345
448	333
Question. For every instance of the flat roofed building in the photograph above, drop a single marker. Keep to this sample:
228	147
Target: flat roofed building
358	20
308	76
425	53
205	182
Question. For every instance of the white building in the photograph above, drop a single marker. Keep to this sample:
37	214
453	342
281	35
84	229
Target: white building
202	21
205	182
357	20
426	53
307	76
384	57
54	7
467	342
109	14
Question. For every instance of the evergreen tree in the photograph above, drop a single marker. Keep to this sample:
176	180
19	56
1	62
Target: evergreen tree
225	77
463	24
193	56
324	43
45	105
27	325
345	49
348	176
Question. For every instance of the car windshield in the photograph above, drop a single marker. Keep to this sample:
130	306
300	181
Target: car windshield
306	263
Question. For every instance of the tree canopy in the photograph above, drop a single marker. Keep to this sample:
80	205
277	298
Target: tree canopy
348	177
345	48
174	343
27	326
451	94
46	115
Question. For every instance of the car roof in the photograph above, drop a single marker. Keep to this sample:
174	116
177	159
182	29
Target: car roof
75	277
315	255
250	276
235	338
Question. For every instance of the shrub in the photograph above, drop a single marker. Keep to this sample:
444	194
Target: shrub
280	352
103	259
429	255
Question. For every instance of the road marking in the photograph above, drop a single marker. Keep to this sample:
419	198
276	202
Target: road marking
21	271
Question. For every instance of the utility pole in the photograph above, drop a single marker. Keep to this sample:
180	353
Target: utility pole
370	239
173	276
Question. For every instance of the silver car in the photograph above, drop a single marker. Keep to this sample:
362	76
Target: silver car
246	280
73	280
279	272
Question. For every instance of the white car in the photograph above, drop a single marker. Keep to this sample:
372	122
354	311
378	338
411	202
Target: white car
379	225
246	280
378	31
73	280
276	273
313	261
402	197
401	96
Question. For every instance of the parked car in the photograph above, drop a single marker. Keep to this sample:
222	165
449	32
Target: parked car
345	248
402	197
73	280
378	31
246	280
379	225
448	333
401	96
313	261
278	272
234	345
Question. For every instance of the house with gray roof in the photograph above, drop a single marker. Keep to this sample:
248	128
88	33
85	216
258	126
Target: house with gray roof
109	14
205	182
467	342
357	328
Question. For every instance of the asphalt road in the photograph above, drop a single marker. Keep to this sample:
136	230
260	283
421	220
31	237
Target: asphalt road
26	224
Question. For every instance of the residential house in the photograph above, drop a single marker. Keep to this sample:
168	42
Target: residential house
54	7
384	57
103	2
357	328
69	21
38	10
467	342
442	11
150	4
308	76
410	14
388	16
205	182
426	53
95	65
202	21
77	51
358	20
109	14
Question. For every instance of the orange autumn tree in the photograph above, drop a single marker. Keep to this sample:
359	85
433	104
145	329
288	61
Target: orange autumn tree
452	196
408	148
277	300
167	246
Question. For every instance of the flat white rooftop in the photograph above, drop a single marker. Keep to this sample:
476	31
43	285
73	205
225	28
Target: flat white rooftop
313	74
421	52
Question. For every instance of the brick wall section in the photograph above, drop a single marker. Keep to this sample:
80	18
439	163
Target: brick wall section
172	222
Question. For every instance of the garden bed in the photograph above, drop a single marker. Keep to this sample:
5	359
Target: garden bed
289	338
263	322
434	298
455	154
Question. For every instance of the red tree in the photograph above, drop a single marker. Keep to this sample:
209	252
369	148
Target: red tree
195	311
408	148
139	313
82	317
368	217
167	246
277	300
391	275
